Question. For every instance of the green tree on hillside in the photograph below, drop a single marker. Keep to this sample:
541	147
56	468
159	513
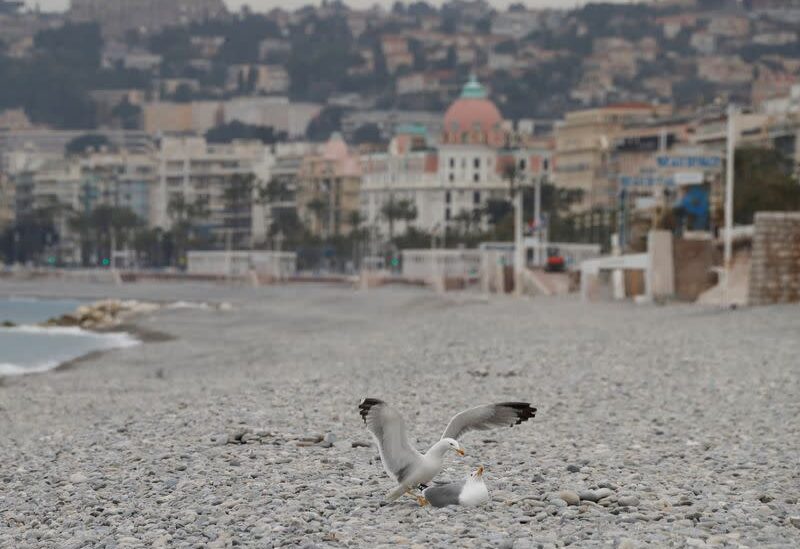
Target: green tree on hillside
764	182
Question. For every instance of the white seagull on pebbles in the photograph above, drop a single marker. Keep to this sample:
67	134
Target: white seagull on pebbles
470	492
405	464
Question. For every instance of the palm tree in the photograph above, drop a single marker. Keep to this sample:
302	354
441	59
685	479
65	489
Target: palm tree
112	226
464	219
318	207
513	176
408	210
29	237
356	219
184	216
401	210
274	191
148	243
238	198
275	195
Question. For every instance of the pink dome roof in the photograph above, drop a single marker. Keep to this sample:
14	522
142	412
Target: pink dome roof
335	148
473	118
467	115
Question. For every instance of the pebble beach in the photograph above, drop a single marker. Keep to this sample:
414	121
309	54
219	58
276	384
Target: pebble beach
238	426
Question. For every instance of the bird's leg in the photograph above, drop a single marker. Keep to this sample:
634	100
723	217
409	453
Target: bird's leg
422	501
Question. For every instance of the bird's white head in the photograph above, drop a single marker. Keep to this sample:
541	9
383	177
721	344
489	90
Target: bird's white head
453	443
477	474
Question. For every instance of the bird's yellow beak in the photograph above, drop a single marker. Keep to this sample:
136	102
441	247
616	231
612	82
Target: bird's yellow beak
479	472
460	452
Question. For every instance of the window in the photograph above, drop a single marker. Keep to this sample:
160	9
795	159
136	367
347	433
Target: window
447	214
546	164
452	162
477	163
522	164
447	197
476	197
452	178
476	177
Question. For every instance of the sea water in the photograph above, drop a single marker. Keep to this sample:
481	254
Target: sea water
30	348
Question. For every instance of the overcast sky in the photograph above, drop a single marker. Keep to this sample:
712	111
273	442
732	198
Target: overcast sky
268	4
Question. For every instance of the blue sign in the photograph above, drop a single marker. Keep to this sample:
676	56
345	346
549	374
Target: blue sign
645	180
696	204
689	161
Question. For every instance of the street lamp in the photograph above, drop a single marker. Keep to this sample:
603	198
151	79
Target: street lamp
731	151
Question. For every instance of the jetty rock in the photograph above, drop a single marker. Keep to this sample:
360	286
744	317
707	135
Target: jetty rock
104	314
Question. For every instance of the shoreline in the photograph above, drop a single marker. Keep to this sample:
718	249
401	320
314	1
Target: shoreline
136	337
131	328
144	336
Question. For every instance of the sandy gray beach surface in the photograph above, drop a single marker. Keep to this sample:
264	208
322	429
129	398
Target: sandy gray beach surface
663	426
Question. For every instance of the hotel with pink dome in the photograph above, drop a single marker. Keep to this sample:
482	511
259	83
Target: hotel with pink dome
458	171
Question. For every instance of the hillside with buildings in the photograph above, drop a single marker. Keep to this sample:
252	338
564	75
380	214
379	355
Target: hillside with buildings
175	65
150	128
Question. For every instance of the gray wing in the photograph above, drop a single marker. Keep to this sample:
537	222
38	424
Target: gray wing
388	429
443	495
485	417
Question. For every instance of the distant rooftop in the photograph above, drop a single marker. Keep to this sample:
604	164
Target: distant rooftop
413	129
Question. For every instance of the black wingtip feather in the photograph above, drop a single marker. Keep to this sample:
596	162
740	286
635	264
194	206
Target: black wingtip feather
523	410
366	405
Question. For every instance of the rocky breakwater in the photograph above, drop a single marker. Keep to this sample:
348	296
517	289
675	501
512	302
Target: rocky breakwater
103	315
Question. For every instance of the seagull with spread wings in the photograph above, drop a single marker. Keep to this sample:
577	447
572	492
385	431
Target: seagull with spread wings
405	464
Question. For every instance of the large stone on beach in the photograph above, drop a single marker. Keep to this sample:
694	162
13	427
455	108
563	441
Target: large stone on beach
602	493
588	495
570	497
97	315
68	321
628	501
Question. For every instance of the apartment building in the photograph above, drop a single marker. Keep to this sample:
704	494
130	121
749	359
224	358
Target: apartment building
328	190
52	185
200	116
67	187
7	214
194	173
279	175
584	145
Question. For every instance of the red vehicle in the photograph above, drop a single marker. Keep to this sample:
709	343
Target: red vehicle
555	263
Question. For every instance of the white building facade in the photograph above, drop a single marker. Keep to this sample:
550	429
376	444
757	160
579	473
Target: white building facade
196	174
449	185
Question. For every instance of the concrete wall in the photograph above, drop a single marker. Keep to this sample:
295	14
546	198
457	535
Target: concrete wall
661	274
775	265
276	265
694	260
431	264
